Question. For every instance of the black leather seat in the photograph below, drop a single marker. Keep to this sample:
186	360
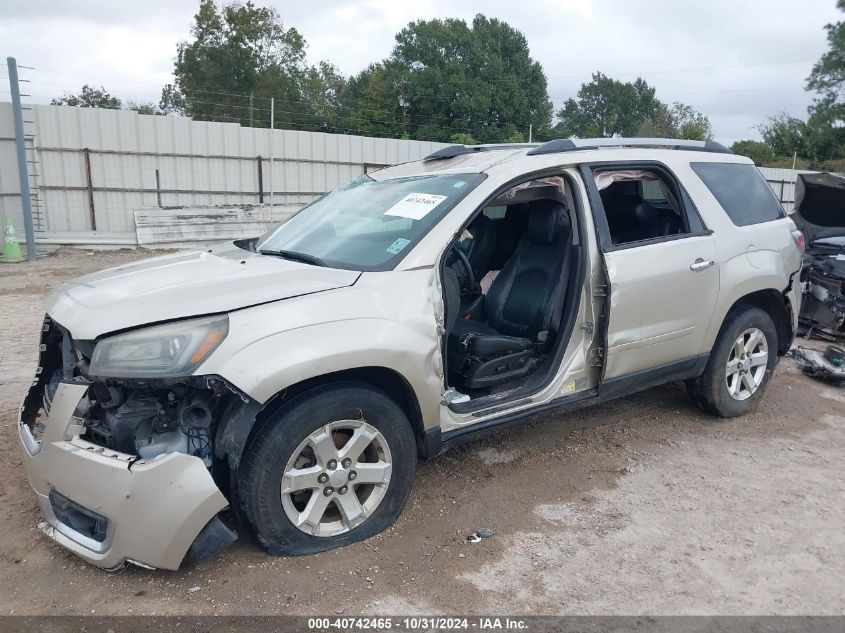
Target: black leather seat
632	220
479	250
523	306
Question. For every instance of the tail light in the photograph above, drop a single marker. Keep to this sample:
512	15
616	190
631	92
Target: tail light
798	238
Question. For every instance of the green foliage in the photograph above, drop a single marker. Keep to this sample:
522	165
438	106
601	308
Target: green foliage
606	107
828	75
89	97
241	49
759	151
818	142
784	134
453	78
677	121
461	138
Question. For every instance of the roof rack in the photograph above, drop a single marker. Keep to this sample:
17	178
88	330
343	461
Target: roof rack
583	144
459	150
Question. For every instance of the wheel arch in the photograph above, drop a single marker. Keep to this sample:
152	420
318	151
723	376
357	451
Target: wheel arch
776	304
241	422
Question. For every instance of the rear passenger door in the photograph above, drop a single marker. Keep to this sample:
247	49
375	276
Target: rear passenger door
662	271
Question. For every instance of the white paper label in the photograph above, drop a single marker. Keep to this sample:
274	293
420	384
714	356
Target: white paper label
415	205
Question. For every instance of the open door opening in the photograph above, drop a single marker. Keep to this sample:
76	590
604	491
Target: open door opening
511	281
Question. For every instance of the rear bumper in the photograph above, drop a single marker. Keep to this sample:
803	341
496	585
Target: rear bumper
146	512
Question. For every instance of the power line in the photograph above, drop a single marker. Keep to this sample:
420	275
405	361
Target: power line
419	118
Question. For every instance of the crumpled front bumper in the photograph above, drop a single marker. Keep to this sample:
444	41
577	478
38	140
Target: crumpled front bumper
151	510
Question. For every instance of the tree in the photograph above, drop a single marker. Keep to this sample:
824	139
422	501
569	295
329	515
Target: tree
447	77
677	121
89	97
606	107
784	134
759	151
241	50
825	128
828	75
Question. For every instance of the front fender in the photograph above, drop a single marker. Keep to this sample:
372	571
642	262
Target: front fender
266	367
387	320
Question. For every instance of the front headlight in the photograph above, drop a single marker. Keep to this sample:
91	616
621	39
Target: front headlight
172	350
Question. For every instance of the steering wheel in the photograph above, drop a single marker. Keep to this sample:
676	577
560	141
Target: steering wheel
469	277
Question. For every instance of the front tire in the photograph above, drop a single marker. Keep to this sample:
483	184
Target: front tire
739	366
333	466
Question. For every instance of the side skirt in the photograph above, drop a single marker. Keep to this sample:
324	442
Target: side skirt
437	442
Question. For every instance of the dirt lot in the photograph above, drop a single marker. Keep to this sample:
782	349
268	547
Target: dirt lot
650	507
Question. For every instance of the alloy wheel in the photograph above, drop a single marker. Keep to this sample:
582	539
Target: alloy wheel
747	363
336	478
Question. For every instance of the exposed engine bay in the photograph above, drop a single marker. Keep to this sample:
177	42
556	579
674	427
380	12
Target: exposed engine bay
151	422
146	418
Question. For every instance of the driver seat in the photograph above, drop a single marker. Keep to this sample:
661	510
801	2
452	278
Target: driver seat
523	306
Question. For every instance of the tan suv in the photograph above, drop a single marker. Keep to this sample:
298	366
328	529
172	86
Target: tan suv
297	377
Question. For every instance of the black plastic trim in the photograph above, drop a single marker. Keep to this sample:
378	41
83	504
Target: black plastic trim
452	151
459	150
568	145
654	376
554	147
79	518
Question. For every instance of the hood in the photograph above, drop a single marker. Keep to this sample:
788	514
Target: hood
183	285
820	205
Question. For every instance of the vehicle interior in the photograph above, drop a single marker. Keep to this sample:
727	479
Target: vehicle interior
639	204
507	281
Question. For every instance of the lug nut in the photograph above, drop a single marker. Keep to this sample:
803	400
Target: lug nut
342	490
328	491
352	475
322	478
346	463
332	464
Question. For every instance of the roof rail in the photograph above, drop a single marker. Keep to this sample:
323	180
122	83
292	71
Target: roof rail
459	150
582	144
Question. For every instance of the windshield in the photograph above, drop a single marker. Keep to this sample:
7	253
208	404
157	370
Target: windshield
368	224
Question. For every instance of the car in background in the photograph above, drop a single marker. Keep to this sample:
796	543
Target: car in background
820	214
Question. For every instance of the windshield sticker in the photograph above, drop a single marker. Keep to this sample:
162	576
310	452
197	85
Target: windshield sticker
415	205
397	246
459	185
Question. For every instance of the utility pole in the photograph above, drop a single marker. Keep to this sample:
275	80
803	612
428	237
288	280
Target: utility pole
272	149
20	147
403	103
250	110
530	132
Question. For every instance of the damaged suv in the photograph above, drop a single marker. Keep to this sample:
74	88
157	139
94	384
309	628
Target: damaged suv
297	377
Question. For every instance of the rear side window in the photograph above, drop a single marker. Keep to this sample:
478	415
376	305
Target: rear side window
741	190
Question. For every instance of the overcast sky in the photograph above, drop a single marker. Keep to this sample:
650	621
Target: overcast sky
737	61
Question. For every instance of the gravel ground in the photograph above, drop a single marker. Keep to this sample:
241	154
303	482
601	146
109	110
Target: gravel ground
641	506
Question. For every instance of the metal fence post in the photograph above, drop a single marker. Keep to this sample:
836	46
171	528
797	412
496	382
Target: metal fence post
26	201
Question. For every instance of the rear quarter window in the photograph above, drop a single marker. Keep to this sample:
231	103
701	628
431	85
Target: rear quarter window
742	191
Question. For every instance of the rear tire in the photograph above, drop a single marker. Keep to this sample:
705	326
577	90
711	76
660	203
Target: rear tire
739	366
295	484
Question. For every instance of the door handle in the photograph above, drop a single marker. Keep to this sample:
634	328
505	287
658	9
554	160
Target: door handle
701	264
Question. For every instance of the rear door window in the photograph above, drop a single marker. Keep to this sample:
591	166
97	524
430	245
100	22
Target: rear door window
742	191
